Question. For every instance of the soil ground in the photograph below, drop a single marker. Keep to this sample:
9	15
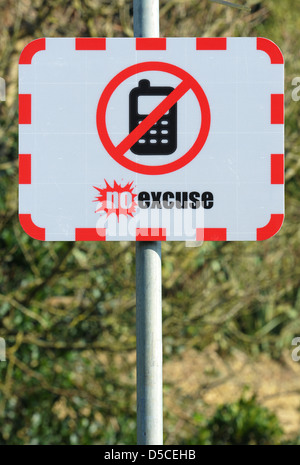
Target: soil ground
220	381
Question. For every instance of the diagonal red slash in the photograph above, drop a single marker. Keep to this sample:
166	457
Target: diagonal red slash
153	117
188	83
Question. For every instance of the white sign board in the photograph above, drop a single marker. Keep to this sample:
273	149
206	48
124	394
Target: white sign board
151	139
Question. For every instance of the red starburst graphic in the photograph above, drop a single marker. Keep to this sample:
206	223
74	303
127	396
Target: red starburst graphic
116	199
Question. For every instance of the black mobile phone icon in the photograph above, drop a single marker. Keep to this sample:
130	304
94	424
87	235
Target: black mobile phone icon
161	138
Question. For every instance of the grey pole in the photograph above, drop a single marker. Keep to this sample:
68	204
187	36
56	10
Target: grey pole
148	293
149	343
146	18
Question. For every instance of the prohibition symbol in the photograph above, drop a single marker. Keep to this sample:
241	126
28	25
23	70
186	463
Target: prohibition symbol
187	83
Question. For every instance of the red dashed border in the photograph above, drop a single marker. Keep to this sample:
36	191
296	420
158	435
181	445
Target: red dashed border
153	43
90	43
30	228
90	234
208	43
277	168
30	50
271	228
24	108
211	234
151	234
269	47
277	109
24	168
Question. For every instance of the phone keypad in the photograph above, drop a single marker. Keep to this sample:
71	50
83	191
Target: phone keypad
157	135
161	138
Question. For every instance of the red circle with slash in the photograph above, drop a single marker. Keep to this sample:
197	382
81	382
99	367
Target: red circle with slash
188	83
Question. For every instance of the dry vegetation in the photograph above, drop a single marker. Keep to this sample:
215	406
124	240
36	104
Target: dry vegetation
67	310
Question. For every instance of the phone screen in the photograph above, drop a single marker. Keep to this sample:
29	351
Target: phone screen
147	103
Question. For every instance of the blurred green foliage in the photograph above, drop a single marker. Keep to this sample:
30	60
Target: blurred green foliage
68	309
243	422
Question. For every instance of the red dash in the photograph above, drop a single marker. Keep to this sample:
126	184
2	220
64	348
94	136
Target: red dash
30	50
211	234
30	228
90	234
269	47
90	43
24	108
208	43
25	168
271	228
277	168
151	43
151	234
277	108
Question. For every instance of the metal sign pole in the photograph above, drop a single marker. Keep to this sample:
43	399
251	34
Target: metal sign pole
149	343
148	293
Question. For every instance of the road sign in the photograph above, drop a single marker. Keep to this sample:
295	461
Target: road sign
151	139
